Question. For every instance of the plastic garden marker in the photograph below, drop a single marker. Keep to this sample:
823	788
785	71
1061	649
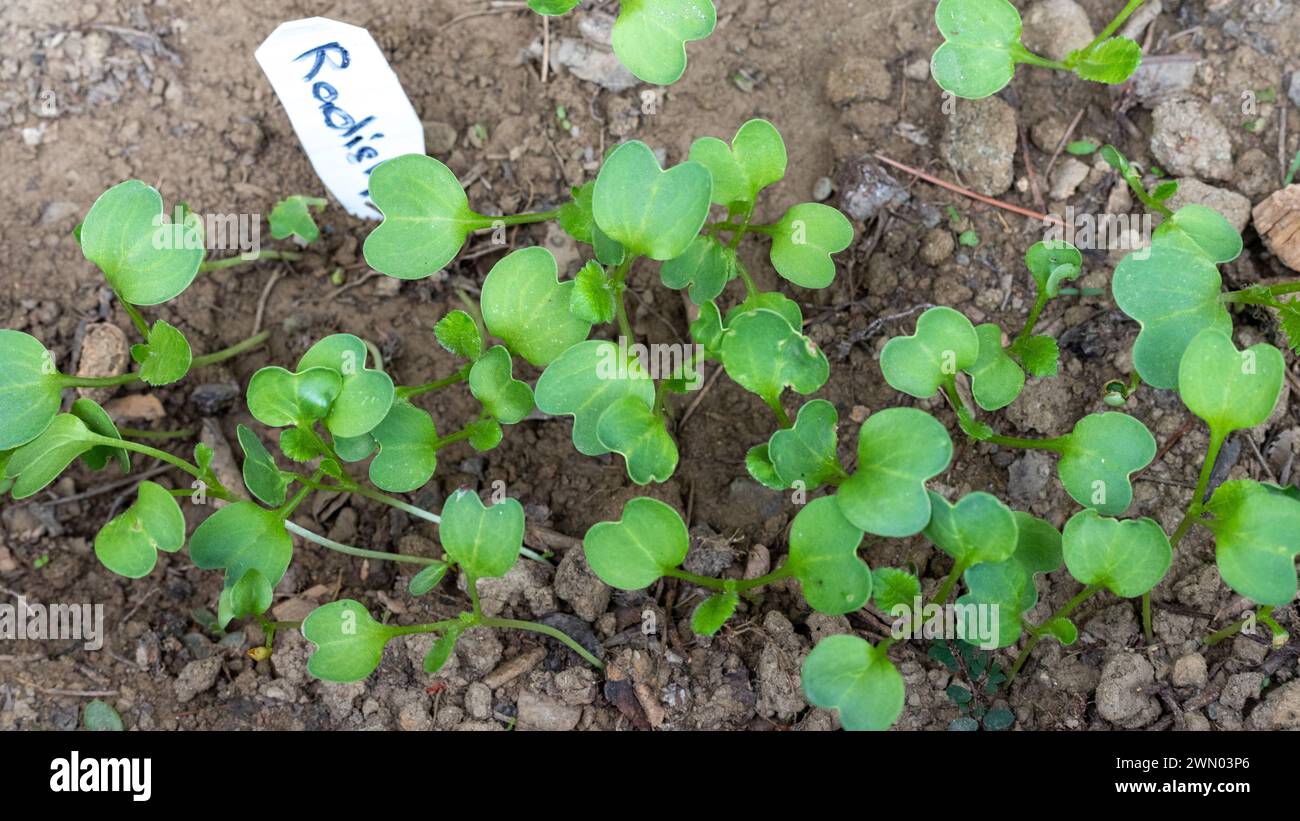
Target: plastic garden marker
982	47
528	308
899	449
848	674
121	235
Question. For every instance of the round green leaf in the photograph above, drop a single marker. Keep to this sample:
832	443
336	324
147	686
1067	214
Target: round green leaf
1008	585
979	528
458	333
528	308
1257	537
587	379
349	643
764	355
755	159
492	382
758	462
899	449
631	428
651	212
706	266
647	541
30	388
1172	290
40	461
1100	455
769	300
1128	557
650	36
366	394
1062	629
484	434
824	557
713	612
1208	229
408	449
426	217
241	537
261	475
484	541
807	452
278	398
996	379
128	545
848	674
976	58
803	241
166	357
1230	389
144	256
98	421
552	8
945	342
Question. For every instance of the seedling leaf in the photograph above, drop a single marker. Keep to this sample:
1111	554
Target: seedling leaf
128	545
587	379
30	389
442	649
979	528
764	355
758	461
366	393
145	258
1257	537
996	379
248	595
651	212
1127	557
349	643
240	537
1009	584
1100	455
713	612
1039	354
892	587
755	159
459	334
427	579
650	36
279	398
575	215
804	240
899	449
1111	61
824	557
1208	229
40	461
426	217
646	542
848	674
492	382
261	475
1230	389
918	365
291	216
408	452
705	265
592	299
165	358
976	58
484	541
807	451
631	428
526	305
98	421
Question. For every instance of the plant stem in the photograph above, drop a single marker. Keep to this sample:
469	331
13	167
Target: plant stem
945	590
751	290
739	585
231	262
1023	55
429	627
359	552
375	495
137	433
620	285
1248	294
407	391
545	630
518	219
1040	302
1226	633
1036	633
226	353
136	318
68	381
781	415
1148	632
1202	483
1114	25
288	507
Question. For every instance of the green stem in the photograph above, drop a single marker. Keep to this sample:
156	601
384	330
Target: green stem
136	318
231	262
226	353
68	381
545	630
1023	55
739	585
407	391
517	219
620	285
1202	482
1114	25
1250	294
1040	302
164	456
1148	632
781	415
429	627
359	552
945	590
137	433
1037	633
1226	633
751	290
384	498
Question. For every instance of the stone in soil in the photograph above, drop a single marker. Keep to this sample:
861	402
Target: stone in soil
1278	221
1124	696
866	189
1233	206
1240	688
104	352
1189	671
538	712
579	587
1280	710
197	677
857	77
981	144
1054	28
1188	140
937	246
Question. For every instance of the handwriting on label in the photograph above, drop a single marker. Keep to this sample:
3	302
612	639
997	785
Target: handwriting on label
344	101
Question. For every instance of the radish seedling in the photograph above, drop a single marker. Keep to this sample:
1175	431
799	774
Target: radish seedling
982	47
650	36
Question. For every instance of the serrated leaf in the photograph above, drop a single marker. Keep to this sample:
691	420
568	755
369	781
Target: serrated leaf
804	240
824	557
584	381
650	36
291	216
944	343
527	307
849	675
458	333
1128	557
492	382
575	215
165	358
1256	530
128	545
709	616
650	211
1112	61
592	299
893	588
1230	389
483	541
1099	457
631	428
366	393
648	540
426	217
899	450
1039	354
299	445
755	159
764	355
145	258
30	388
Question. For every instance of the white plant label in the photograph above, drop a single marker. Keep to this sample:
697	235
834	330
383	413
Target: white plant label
344	101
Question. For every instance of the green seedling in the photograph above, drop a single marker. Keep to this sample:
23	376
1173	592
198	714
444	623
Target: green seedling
982	48
292	217
650	36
